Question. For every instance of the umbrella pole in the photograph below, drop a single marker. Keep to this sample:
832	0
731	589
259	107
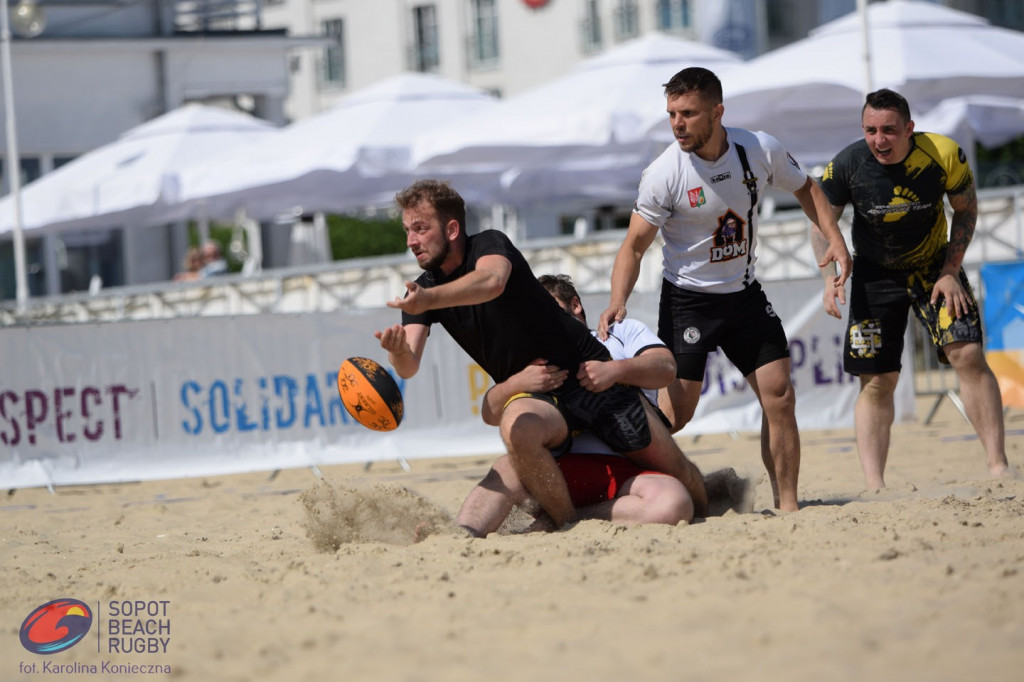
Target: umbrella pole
12	160
862	9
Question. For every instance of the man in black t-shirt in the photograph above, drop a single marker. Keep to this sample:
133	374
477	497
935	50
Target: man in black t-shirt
482	291
907	258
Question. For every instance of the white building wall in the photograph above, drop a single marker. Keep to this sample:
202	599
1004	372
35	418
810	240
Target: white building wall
535	45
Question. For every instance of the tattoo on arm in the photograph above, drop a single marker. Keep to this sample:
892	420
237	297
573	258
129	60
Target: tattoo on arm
961	229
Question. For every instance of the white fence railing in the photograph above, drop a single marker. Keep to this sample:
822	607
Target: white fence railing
784	252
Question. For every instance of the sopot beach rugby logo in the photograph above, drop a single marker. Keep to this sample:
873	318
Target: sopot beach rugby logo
55	626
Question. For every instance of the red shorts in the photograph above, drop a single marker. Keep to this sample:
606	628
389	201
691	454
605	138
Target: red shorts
596	478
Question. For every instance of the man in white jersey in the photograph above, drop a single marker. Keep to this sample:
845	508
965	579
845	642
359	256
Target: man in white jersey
602	484
702	195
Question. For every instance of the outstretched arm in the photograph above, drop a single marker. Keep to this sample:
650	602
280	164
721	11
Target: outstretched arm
484	283
404	344
961	231
625	271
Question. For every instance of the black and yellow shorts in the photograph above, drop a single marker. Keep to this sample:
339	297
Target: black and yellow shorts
880	301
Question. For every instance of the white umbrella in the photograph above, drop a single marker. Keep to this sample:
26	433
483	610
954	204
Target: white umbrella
809	93
132	180
989	121
351	156
598	110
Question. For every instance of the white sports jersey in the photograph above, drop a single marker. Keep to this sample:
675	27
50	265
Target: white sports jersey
704	211
626	339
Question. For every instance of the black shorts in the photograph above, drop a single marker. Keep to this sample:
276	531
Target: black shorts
743	324
616	416
880	301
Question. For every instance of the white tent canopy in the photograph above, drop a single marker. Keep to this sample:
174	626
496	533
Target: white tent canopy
989	121
133	180
354	155
809	93
592	119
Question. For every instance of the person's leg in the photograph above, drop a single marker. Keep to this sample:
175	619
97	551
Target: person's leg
678	401
646	498
780	437
982	402
530	428
663	454
873	417
491	500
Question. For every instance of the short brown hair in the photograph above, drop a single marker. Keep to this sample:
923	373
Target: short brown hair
695	79
562	288
438	193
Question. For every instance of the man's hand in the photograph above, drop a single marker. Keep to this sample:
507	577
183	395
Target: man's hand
613	314
953	296
597	375
539	377
833	293
838	253
417	299
393	339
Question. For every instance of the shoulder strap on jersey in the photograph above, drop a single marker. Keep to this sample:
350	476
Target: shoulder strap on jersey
751	182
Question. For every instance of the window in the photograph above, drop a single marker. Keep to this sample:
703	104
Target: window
627	20
591	27
484	39
673	15
333	59
426	53
31	169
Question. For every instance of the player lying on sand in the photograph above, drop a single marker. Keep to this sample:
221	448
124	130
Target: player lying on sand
603	484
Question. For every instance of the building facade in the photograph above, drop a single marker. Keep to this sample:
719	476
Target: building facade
94	69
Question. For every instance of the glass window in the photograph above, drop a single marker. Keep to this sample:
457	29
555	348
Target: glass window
591	27
94	253
426	55
484	39
627	20
673	15
333	58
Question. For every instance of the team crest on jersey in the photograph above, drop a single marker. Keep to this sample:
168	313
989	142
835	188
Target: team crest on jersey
691	335
730	238
827	175
696	197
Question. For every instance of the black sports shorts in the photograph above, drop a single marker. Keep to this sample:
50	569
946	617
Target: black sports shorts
743	324
616	415
880	301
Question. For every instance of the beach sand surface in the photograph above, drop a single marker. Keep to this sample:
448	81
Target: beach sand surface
923	580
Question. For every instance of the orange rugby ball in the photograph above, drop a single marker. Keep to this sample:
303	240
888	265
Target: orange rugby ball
370	394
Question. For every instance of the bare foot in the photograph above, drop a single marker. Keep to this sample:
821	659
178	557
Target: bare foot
1002	471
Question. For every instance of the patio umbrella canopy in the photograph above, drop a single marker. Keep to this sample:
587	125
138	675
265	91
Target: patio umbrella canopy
352	156
133	180
809	93
592	119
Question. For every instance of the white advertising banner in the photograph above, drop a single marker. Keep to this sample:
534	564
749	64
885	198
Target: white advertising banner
212	395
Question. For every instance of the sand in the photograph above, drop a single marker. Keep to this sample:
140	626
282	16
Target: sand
289	578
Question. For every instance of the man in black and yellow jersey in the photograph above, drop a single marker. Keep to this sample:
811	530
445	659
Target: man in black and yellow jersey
905	257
